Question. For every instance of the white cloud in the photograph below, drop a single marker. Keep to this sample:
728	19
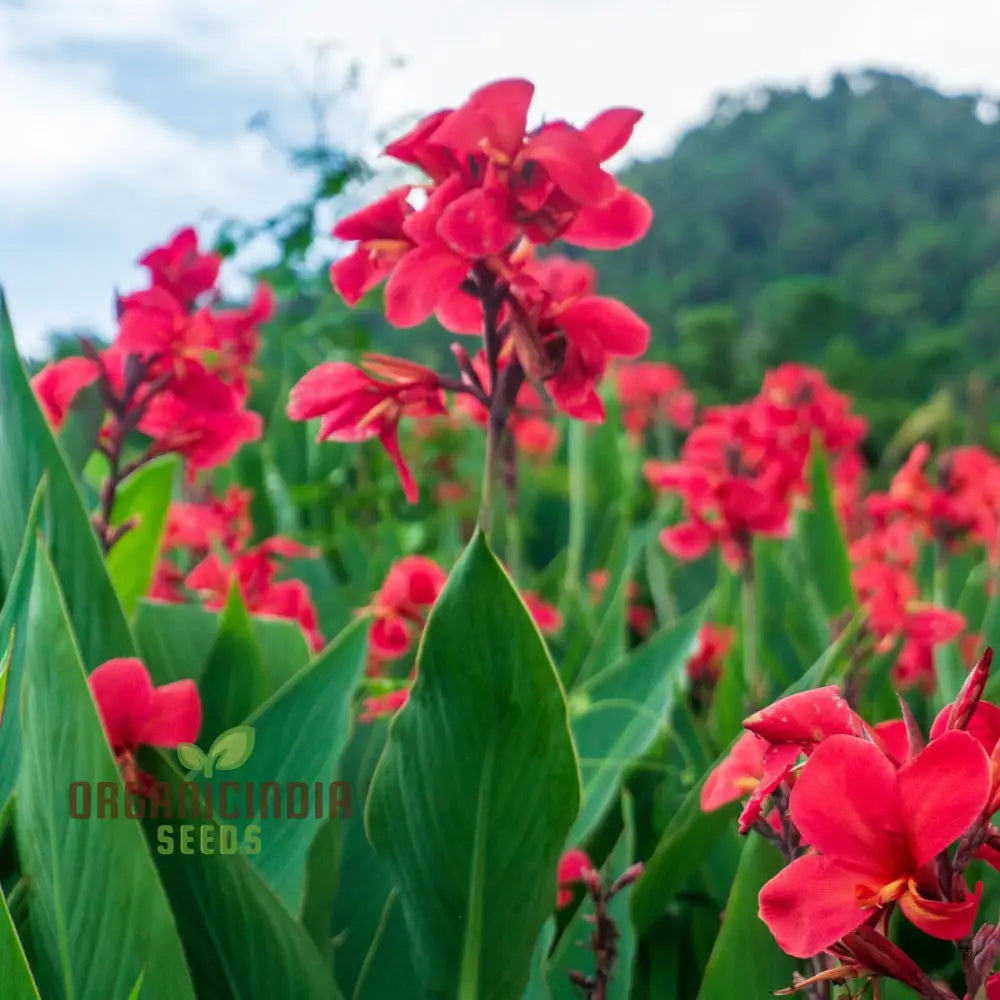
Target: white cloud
76	143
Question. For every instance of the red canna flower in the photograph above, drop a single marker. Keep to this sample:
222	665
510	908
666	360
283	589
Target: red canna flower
356	406
714	643
135	713
180	269
402	603
738	774
573	865
875	830
649	391
59	383
546	616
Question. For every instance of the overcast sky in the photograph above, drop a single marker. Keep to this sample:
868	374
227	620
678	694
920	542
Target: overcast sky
121	120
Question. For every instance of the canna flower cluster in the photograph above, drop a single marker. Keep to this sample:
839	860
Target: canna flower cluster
462	247
399	611
887	529
176	374
212	539
871	819
651	393
743	467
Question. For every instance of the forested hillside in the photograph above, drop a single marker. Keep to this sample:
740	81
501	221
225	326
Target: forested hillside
859	231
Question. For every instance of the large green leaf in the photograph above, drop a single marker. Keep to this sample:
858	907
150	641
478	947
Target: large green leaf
822	538
14	626
619	713
28	450
745	961
374	954
477	788
145	498
15	975
299	735
240	942
98	914
234	681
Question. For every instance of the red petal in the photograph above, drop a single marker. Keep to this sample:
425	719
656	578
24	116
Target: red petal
124	696
845	804
390	441
460	312
942	792
946	921
570	163
390	637
621	222
175	716
357	273
496	113
811	904
777	765
687	541
420	281
477	224
736	775
984	724
807	717
382	219
324	388
611	323
894	739
608	132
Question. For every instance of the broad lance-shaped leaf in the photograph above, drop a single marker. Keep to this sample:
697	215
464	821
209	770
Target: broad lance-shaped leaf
745	961
477	788
374	953
28	450
144	499
299	735
14	625
15	974
240	942
5	661
98	914
620	712
234	681
823	542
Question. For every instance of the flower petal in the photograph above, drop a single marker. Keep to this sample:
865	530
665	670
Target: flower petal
845	804
942	792
811	904
611	323
940	919
175	715
124	696
420	281
621	222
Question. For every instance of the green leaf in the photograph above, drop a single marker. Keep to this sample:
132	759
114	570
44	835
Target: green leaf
234	682
745	960
478	780
240	942
144	497
15	974
28	450
232	748
14	625
620	713
287	750
98	914
81	425
823	542
137	989
374	954
175	640
5	662
190	756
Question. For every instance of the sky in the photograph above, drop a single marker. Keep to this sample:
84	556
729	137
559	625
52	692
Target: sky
122	120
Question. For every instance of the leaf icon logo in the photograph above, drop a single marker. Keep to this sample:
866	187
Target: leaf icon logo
230	750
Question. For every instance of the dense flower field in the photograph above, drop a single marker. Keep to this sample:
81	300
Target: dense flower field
336	676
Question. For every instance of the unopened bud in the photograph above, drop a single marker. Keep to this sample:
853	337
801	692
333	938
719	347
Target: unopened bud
627	877
971	693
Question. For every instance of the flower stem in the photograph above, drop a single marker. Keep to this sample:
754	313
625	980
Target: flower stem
489	478
577	504
751	678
